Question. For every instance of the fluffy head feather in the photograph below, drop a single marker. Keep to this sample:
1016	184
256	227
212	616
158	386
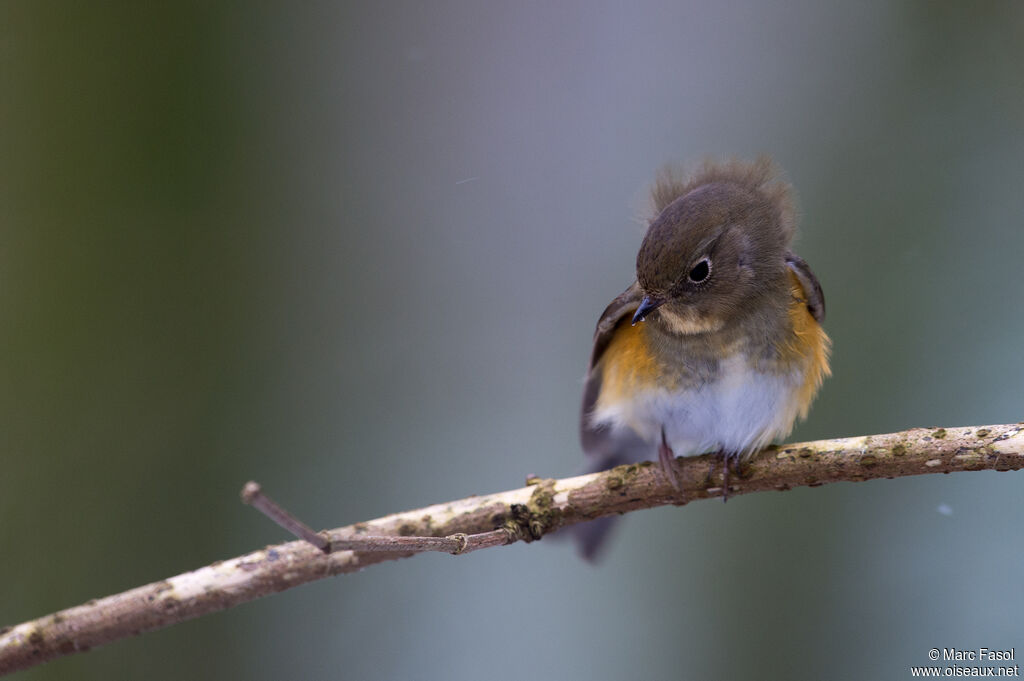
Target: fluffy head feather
718	244
760	176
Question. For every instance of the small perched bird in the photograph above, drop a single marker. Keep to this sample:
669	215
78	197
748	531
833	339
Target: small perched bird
717	346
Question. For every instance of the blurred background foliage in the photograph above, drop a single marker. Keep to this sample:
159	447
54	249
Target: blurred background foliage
356	251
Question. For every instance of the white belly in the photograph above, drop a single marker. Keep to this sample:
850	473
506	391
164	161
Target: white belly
740	411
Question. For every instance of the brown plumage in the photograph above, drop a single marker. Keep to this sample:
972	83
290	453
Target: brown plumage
718	345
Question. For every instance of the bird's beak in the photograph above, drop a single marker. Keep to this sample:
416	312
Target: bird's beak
647	305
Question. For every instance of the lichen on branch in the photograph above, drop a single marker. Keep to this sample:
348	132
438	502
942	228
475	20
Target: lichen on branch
527	514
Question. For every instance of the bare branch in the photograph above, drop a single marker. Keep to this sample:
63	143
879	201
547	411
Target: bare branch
528	513
252	494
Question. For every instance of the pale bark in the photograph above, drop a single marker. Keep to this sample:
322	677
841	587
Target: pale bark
528	513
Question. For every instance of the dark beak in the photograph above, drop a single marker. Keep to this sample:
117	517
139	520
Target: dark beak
647	305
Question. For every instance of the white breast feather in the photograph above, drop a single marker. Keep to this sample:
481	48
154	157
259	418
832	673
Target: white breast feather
741	411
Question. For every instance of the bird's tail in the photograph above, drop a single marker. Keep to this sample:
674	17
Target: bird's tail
592	536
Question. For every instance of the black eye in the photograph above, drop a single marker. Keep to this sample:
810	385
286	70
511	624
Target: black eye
700	271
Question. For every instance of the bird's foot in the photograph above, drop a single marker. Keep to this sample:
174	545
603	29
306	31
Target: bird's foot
730	463
667	460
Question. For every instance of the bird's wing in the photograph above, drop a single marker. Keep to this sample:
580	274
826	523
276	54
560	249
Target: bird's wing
812	288
603	447
622	307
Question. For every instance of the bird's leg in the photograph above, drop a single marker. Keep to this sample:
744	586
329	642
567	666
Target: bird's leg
725	474
667	459
709	481
729	460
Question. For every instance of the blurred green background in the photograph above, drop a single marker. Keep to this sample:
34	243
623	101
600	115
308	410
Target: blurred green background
356	252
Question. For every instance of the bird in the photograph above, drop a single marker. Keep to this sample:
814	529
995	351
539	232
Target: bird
717	346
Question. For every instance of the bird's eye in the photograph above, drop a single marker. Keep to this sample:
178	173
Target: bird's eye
701	271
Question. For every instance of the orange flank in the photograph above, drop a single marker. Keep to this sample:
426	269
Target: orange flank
810	343
627	366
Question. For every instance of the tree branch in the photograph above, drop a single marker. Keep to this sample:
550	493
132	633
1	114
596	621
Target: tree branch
543	506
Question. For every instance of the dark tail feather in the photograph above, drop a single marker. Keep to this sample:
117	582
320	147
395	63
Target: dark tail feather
592	537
